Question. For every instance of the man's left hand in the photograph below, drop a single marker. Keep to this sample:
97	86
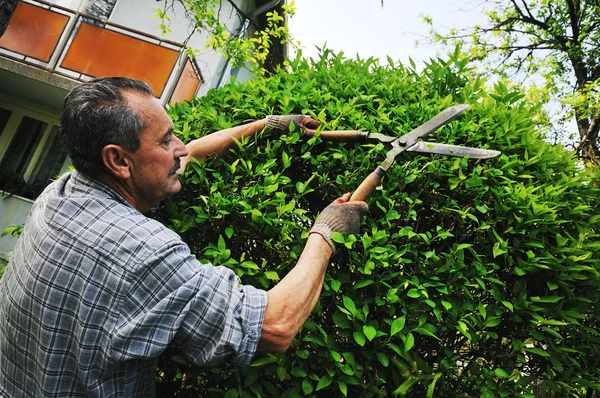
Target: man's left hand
282	123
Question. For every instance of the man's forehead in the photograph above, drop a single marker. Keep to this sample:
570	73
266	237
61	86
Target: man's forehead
140	101
146	105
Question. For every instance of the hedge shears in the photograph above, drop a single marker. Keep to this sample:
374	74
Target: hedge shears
409	142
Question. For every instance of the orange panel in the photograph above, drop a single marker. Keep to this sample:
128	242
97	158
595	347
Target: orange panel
33	31
187	85
100	52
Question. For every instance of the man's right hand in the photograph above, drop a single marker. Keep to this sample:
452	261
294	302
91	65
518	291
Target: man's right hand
340	216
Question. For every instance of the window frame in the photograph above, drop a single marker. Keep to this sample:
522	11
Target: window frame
18	112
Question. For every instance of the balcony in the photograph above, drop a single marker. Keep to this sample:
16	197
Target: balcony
78	46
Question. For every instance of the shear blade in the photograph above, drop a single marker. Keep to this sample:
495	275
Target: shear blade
452	150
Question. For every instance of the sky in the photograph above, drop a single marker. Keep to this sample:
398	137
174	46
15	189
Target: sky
366	28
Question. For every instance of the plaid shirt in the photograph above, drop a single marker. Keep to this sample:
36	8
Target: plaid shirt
96	291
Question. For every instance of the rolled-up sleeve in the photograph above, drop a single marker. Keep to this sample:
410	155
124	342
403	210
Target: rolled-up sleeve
204	309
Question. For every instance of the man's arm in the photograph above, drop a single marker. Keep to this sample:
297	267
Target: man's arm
291	301
218	144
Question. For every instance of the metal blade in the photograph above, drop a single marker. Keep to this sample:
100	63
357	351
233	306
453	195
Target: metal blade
452	150
442	118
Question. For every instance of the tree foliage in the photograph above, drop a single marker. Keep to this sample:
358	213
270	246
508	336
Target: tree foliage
235	44
555	42
470	278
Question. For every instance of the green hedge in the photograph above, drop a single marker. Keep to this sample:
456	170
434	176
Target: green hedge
470	278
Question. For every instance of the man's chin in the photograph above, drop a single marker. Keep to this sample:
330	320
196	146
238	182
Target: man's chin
176	186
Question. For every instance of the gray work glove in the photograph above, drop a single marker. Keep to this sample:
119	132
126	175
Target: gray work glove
282	123
340	216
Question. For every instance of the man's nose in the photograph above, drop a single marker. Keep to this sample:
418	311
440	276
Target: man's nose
180	149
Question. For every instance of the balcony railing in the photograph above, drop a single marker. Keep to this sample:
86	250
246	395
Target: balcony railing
81	46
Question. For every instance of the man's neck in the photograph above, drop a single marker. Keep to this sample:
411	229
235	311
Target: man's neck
124	189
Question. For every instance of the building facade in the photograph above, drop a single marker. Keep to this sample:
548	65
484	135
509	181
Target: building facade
50	46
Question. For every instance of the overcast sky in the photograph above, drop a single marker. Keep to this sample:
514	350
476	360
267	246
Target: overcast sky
366	28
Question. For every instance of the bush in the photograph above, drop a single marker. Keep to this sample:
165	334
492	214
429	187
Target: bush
471	278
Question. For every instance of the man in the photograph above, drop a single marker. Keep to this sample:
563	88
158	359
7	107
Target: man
96	291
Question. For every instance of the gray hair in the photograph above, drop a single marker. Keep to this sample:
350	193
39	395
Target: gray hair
96	114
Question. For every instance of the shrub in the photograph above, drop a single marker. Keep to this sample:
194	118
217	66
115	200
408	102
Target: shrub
470	278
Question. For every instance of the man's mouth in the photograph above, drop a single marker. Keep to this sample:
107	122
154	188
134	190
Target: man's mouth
175	167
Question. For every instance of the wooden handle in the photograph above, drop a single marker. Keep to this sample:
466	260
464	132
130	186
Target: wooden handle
342	135
366	188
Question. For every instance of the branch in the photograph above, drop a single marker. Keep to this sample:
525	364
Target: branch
573	17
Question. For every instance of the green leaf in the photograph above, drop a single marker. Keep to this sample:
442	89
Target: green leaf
431	387
272	275
383	359
307	386
406	385
281	373
233	393
343	387
537	351
341	320
286	160
360	338
363	283
501	373
337	237
409	342
546	299
256	215
263	361
482	310
369	332
462	327
302	353
397	325
508	305
349	304
335	285
324	382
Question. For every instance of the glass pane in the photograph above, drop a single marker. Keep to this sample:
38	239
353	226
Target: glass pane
18	155
50	163
33	31
187	85
101	52
4	116
22	146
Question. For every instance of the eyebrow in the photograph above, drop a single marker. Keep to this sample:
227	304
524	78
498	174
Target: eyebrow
168	133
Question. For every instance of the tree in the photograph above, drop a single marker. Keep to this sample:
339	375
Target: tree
469	278
556	42
253	51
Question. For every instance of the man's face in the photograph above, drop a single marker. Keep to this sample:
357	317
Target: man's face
155	164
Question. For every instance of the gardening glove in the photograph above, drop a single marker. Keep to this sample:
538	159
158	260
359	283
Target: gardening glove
303	122
340	216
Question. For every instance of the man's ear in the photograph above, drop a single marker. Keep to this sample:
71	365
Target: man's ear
116	161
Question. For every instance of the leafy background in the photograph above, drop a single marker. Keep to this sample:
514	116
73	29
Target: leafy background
470	278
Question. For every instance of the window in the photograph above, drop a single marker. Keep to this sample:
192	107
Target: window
31	154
